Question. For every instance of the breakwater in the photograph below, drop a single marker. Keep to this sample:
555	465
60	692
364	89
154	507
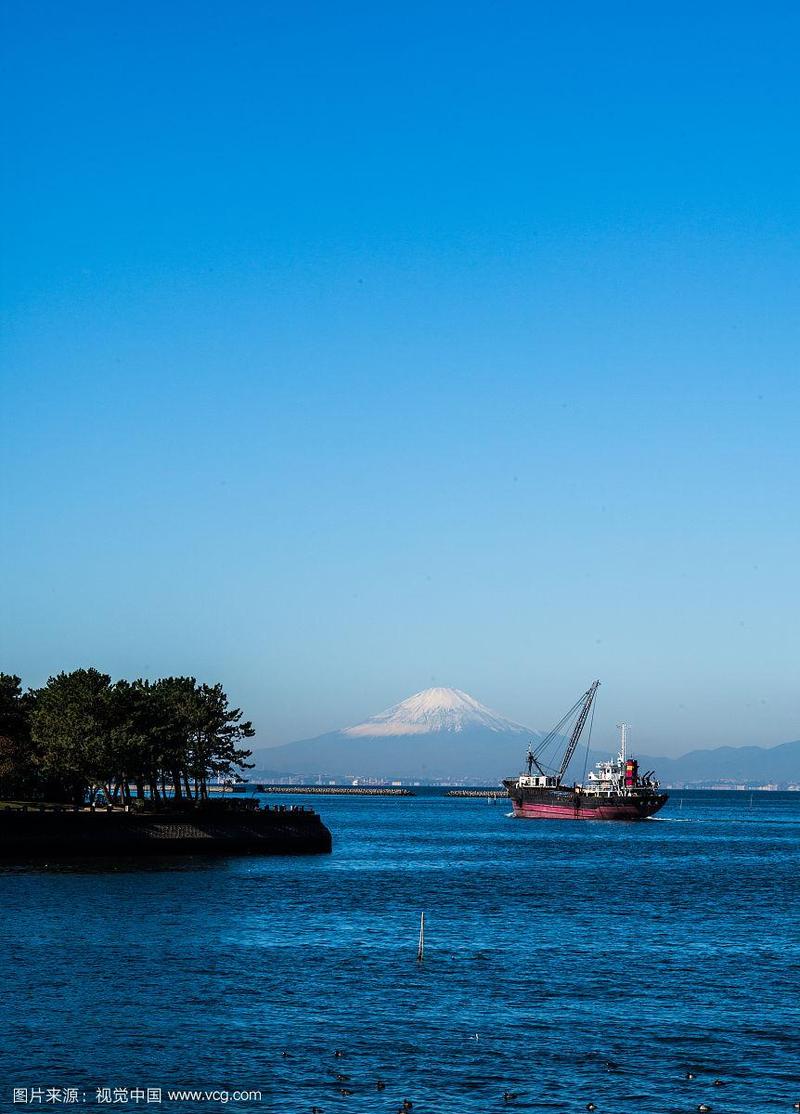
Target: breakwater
494	793
339	790
203	829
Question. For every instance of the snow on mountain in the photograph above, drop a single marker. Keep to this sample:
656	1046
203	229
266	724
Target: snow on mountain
434	710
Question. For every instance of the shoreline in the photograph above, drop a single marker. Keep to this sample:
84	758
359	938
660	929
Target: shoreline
51	833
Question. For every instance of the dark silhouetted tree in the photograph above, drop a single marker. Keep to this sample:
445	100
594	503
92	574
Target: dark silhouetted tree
80	733
71	727
19	771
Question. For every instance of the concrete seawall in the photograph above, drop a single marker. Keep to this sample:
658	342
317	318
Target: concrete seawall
52	834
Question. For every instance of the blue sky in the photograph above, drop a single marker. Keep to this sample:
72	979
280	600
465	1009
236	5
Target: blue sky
350	349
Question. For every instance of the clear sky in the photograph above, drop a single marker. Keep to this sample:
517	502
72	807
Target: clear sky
354	348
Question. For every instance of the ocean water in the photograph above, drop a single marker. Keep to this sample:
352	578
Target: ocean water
571	963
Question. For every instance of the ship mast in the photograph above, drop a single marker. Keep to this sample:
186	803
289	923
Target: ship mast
577	730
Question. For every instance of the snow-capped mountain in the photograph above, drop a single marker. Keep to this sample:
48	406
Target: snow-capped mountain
433	710
444	733
437	733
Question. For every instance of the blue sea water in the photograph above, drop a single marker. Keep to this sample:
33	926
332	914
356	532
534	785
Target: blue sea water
568	962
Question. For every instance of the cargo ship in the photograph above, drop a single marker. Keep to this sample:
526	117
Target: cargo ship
614	790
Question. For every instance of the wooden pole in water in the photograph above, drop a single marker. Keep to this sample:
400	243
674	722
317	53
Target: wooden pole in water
421	948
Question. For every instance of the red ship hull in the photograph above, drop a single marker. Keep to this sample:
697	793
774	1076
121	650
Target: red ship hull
539	810
567	804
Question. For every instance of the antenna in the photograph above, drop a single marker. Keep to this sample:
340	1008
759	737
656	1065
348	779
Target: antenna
623	740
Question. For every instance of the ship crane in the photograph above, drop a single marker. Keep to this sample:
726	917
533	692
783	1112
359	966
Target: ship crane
577	730
582	707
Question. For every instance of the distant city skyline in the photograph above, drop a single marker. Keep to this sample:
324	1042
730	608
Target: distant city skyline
353	351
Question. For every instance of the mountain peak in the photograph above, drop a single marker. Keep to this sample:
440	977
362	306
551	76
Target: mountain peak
434	710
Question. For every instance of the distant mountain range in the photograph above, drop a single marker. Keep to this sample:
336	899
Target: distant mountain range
751	766
445	734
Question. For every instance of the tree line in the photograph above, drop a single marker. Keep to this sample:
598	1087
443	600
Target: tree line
82	732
